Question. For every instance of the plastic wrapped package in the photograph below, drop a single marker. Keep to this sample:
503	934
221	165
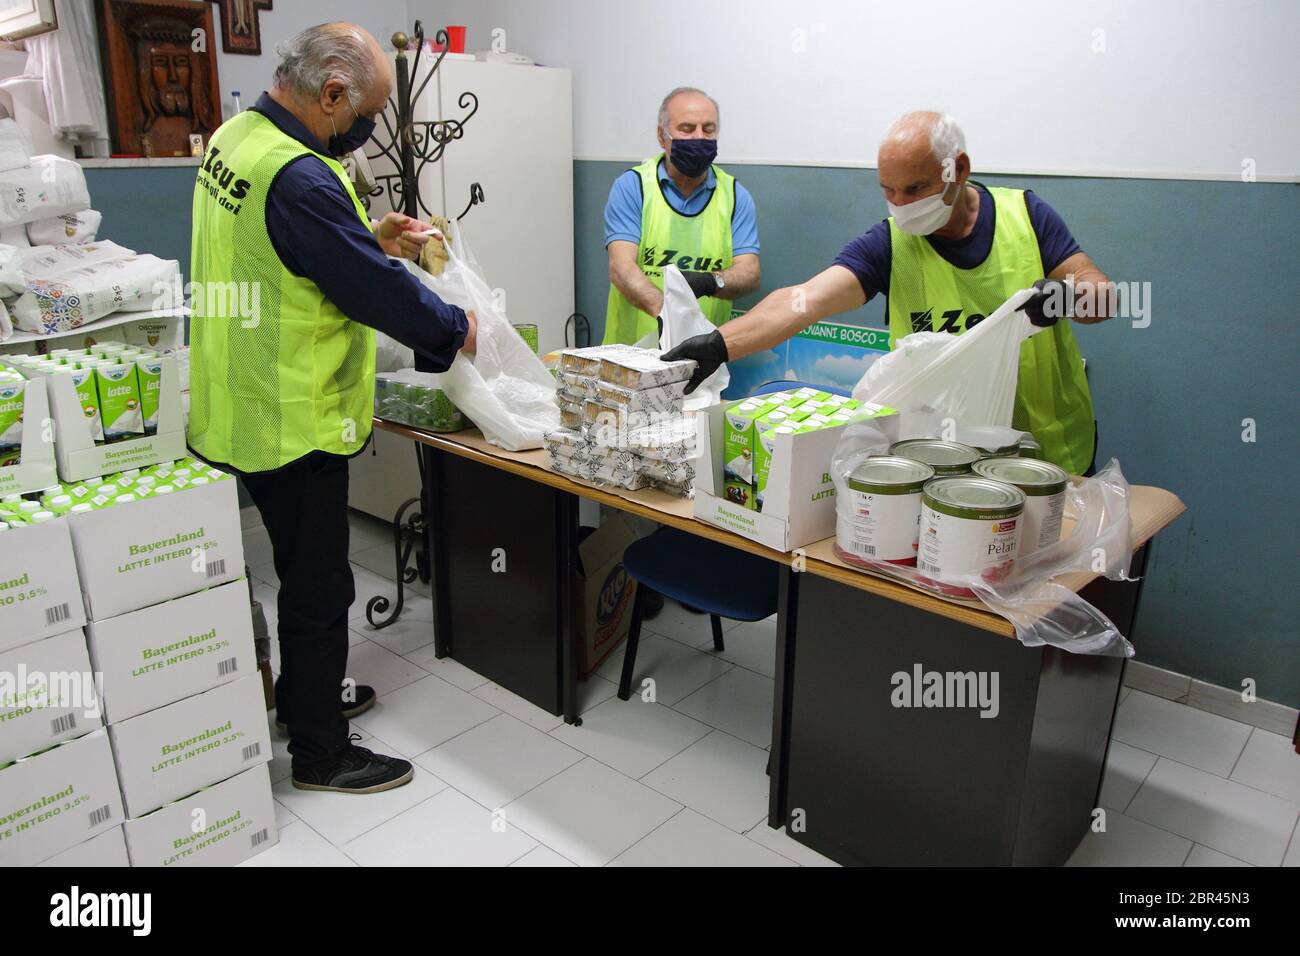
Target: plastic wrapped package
417	399
1041	610
75	227
50	186
664	398
644	369
72	299
674	437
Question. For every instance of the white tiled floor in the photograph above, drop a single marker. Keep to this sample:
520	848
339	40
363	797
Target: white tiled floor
680	779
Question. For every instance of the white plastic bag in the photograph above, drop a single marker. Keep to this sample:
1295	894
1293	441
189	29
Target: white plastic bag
1042	611
505	390
969	377
682	319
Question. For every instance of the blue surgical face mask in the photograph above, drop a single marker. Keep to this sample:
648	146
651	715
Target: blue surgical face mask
341	144
693	156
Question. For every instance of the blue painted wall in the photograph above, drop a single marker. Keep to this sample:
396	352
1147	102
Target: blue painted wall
1221	260
147	210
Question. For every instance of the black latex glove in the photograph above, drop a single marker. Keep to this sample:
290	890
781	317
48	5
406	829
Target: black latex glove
701	283
1053	300
708	351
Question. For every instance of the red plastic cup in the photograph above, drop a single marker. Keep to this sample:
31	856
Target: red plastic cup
455	39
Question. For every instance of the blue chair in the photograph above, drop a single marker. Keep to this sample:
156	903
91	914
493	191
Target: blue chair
713	577
770	387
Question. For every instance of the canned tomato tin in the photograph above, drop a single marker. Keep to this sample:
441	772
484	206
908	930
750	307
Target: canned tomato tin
947	458
969	526
1006	451
885	497
1044	486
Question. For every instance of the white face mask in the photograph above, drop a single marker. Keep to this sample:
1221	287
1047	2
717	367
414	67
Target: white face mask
924	216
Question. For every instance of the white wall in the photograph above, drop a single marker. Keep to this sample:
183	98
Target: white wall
1183	88
252	74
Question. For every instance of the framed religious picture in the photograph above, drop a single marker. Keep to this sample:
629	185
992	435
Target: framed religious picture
160	75
26	18
241	29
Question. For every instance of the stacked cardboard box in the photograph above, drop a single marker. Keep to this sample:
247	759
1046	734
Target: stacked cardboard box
179	772
58	788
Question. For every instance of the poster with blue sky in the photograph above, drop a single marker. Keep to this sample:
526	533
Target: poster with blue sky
826	354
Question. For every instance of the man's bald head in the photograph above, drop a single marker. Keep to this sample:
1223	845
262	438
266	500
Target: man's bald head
336	59
922	152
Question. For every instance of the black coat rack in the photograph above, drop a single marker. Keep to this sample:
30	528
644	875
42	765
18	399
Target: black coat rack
410	145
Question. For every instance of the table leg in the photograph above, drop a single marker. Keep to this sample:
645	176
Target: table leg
503	551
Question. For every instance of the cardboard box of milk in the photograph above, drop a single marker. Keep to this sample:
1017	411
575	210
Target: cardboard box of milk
175	750
107	849
134	555
39	592
47	695
798	495
165	653
220	826
55	800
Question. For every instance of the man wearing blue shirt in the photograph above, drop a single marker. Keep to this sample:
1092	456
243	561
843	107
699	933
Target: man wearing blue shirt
950	253
679	209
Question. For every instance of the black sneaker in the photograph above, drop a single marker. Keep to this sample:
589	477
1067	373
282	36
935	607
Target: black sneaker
651	604
349	709
355	770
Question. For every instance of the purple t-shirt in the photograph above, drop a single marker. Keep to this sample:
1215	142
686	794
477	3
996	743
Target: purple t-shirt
869	256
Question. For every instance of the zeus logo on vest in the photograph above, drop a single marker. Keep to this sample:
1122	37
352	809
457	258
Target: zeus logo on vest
925	321
652	258
223	179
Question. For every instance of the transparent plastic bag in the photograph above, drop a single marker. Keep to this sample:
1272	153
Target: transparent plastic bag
505	390
1041	610
968	378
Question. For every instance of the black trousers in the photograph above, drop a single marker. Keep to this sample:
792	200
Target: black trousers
305	509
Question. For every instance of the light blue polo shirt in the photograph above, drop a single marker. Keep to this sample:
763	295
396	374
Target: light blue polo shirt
623	210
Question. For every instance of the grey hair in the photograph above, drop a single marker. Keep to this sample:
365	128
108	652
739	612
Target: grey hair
663	107
323	53
946	137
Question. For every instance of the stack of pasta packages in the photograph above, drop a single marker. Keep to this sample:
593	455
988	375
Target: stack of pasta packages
621	419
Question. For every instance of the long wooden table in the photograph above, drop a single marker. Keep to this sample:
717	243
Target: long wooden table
853	775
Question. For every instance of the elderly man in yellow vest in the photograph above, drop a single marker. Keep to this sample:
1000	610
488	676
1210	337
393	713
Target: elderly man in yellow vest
282	394
950	253
678	208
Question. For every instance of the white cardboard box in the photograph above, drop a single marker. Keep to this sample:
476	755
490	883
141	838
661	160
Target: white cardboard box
175	750
165	653
799	502
221	826
76	452
137	554
40	595
47	695
35	469
107	849
57	799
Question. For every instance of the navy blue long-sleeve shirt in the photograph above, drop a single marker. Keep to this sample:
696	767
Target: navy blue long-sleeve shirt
316	233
